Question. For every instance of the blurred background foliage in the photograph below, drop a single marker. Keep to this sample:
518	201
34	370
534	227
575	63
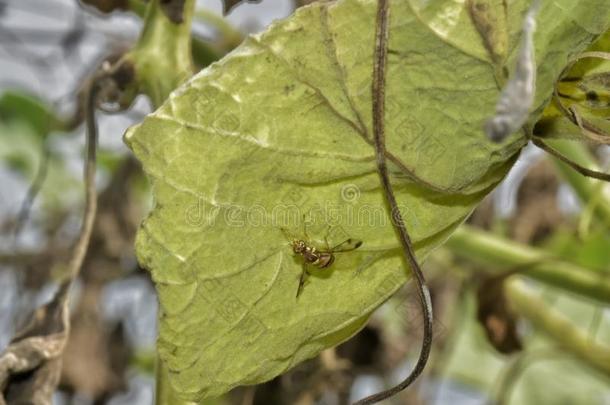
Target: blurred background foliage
544	344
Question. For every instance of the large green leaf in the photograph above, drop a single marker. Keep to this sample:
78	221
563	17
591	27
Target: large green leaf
283	125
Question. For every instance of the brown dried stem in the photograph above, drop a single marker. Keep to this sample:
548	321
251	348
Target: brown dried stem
35	352
378	89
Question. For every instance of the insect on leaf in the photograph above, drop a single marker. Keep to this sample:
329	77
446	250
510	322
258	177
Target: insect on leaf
281	128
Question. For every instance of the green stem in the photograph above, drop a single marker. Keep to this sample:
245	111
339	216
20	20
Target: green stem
500	254
528	303
162	57
203	53
229	38
229	35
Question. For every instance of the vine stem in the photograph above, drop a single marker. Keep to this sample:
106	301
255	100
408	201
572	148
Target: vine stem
497	254
378	90
80	248
31	363
90	190
526	301
586	189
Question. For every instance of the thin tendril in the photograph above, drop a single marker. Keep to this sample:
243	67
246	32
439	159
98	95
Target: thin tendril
378	89
580	169
80	249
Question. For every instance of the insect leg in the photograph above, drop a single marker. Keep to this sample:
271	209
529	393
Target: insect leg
326	238
303	279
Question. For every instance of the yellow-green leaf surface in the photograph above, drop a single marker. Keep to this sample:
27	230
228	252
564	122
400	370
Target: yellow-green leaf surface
281	128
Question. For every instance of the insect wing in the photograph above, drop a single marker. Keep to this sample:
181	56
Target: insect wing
347	245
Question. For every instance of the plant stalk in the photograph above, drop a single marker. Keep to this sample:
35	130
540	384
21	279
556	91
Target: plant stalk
501	254
527	302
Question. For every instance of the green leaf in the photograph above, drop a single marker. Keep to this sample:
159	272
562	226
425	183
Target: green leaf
15	106
20	151
281	128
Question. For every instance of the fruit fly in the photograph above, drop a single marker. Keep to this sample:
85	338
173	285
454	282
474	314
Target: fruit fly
320	258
